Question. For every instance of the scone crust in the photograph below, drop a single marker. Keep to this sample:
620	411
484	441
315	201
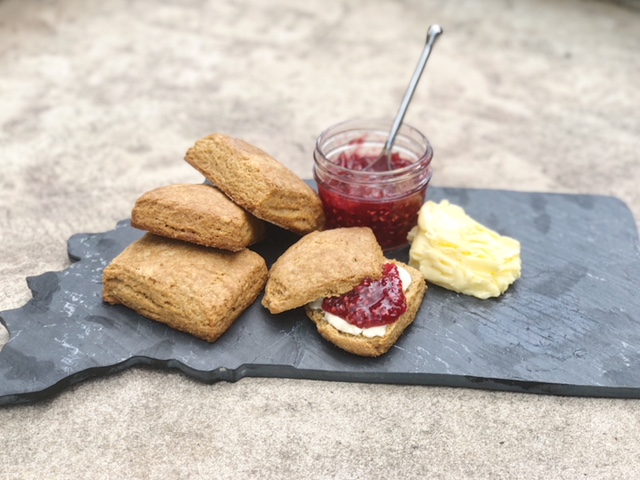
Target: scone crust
322	264
376	346
258	182
199	214
191	288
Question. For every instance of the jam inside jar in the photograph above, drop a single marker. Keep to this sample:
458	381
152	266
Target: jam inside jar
387	198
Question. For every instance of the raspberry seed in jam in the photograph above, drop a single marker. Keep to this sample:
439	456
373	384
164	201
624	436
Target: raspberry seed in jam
373	303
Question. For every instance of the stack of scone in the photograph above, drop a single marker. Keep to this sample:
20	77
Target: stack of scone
193	270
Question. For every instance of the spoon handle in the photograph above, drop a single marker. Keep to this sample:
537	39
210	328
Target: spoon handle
432	35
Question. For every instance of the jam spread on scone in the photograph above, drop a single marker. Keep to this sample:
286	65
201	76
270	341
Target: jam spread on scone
370	307
373	303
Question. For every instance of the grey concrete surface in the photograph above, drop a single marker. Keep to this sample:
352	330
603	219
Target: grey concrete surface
99	101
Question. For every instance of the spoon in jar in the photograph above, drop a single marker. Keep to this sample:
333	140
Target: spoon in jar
384	162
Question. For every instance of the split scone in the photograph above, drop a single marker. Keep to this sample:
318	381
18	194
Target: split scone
359	300
199	214
258	183
191	288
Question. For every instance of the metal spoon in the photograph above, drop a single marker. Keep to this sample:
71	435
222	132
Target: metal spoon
385	155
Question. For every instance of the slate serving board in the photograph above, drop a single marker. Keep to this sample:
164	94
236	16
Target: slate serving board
569	326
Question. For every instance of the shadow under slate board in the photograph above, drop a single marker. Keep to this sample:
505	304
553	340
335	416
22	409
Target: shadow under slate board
569	326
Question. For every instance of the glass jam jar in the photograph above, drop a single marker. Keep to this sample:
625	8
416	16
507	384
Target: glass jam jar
387	198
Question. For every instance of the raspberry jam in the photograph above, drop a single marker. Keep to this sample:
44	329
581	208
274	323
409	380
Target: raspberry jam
385	199
355	205
373	303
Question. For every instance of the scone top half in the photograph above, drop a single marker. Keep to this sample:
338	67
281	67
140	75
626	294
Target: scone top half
258	183
323	264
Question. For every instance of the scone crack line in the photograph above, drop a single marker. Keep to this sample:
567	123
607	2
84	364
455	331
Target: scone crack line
128	290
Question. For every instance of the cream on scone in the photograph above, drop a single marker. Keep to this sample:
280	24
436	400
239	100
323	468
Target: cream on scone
358	299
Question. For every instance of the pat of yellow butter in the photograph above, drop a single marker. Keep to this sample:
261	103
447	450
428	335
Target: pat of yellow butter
456	252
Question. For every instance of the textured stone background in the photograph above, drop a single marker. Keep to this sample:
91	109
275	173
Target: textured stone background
99	101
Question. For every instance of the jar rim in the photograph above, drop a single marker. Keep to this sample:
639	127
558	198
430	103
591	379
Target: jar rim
382	126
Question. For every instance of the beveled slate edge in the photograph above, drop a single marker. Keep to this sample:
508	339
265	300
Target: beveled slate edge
223	374
439	380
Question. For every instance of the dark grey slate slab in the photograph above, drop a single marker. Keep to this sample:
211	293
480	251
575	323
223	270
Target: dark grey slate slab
569	326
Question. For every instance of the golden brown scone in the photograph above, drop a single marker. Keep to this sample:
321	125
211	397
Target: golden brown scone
375	346
199	214
191	288
322	264
258	183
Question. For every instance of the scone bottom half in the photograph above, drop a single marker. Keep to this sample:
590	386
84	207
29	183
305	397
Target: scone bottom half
258	183
198	290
